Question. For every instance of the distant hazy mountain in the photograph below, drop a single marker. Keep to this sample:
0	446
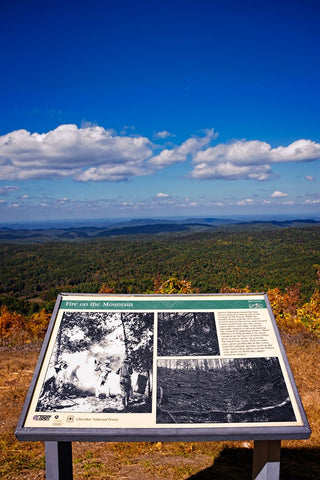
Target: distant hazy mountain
142	226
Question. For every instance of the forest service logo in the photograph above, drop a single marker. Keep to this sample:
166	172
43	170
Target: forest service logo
256	304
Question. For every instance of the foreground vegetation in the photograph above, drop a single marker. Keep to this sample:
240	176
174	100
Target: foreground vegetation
285	263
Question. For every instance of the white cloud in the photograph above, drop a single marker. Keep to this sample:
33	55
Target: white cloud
247	201
299	151
310	178
277	194
163	134
249	159
312	201
180	153
162	195
227	170
90	153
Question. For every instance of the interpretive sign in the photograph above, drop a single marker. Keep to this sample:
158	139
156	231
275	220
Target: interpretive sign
165	367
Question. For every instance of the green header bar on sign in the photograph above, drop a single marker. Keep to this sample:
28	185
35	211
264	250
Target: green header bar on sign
162	304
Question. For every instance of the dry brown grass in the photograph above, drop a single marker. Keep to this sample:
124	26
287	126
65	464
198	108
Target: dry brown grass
162	460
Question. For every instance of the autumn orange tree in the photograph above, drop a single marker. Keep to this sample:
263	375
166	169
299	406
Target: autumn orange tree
172	286
38	324
292	315
11	323
106	289
309	313
16	328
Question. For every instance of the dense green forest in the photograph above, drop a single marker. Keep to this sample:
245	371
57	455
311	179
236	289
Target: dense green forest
259	258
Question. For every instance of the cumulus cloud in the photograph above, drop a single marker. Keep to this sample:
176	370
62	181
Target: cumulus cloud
90	153
299	151
277	194
249	159
181	152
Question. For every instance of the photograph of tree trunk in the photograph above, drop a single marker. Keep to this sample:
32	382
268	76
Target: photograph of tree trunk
223	390
187	334
101	362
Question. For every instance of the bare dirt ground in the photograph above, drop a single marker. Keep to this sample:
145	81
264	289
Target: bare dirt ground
157	460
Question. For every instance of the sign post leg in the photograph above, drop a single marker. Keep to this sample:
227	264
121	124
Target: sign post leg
58	460
266	460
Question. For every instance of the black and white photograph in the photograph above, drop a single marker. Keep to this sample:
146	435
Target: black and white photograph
209	390
101	362
187	334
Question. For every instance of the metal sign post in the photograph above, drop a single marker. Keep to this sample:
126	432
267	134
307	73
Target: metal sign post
58	460
266	460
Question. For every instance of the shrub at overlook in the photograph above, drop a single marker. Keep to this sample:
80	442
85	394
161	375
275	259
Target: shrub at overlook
293	316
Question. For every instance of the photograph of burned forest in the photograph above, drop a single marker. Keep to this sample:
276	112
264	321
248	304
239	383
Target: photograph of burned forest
239	390
187	334
101	362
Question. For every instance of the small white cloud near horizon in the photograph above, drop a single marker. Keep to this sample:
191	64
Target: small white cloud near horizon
312	201
247	201
277	194
59	207
310	178
162	195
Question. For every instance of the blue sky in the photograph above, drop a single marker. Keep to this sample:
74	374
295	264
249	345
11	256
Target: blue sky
157	109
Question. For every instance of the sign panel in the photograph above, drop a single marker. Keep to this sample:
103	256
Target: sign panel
134	367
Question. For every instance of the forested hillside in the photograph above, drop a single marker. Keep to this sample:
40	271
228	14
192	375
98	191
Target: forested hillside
261	259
